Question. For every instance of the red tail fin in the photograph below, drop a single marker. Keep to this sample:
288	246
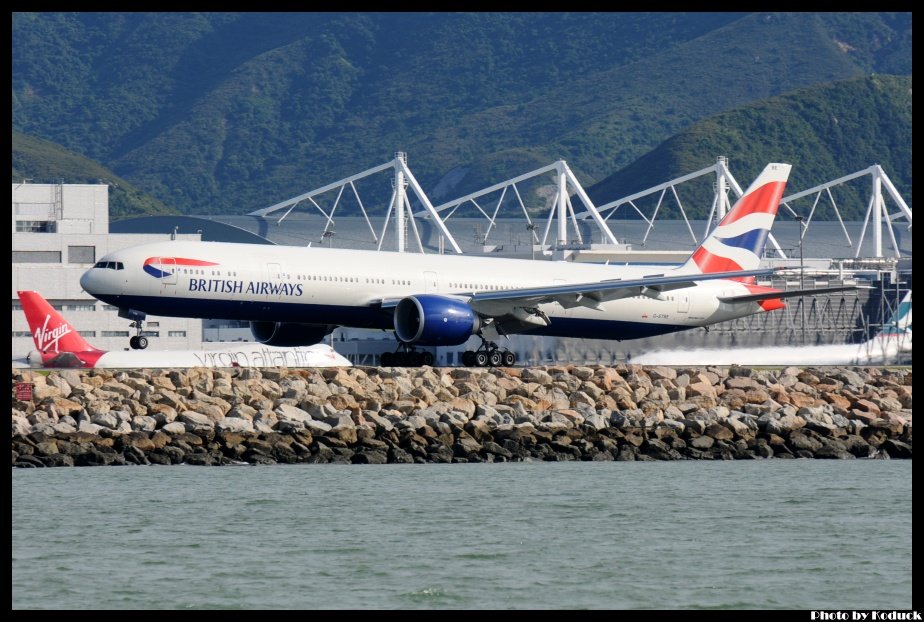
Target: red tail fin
50	331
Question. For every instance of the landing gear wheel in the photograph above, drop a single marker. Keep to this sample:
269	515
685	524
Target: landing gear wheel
414	359
387	359
427	358
468	358
481	358
510	359
496	358
142	342
133	342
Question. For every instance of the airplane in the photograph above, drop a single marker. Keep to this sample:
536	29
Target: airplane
297	295
59	345
890	346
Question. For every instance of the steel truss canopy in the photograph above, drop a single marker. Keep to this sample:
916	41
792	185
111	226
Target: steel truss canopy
399	204
876	213
563	213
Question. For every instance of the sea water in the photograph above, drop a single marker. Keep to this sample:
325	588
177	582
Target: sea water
765	534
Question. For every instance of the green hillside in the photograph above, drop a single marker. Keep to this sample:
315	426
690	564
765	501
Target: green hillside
825	132
228	112
42	161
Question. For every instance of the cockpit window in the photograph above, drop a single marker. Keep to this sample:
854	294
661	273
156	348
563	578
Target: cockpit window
110	265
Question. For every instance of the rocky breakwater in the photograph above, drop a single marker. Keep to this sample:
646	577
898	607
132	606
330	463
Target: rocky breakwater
389	415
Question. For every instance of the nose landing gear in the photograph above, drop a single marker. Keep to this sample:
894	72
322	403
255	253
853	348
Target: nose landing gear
138	342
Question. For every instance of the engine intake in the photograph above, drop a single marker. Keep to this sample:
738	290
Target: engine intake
432	320
289	334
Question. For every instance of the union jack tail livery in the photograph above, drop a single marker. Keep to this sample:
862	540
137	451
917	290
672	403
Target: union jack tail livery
738	242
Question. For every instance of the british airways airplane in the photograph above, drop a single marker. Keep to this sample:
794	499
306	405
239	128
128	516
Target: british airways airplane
60	345
296	295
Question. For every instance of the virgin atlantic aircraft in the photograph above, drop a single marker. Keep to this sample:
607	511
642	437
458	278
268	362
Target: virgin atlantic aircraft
58	344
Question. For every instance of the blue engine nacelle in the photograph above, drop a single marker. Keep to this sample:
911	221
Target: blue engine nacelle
289	334
431	320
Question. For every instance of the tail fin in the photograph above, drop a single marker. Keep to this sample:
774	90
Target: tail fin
50	331
738	241
901	319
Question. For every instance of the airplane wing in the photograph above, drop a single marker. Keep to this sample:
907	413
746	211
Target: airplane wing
592	294
514	310
789	294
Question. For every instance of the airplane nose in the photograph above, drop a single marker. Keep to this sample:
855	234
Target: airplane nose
87	281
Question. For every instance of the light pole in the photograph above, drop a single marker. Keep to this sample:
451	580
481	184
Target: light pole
800	219
531	227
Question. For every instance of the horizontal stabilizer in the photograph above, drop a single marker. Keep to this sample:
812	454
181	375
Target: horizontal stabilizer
795	293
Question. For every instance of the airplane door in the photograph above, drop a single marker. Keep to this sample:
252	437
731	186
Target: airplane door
167	266
431	283
273	274
683	303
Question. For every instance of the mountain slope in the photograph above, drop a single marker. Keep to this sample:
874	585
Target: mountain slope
226	112
42	161
825	131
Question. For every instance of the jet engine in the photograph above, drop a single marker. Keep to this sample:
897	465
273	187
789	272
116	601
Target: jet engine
431	320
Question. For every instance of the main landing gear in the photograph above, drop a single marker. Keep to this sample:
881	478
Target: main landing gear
406	356
488	354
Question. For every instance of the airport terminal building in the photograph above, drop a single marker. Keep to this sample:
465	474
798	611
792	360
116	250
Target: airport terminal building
59	231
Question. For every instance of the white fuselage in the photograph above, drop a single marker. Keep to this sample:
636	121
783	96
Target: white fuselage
234	355
345	287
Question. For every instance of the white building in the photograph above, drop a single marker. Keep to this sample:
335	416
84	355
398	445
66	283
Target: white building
59	231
